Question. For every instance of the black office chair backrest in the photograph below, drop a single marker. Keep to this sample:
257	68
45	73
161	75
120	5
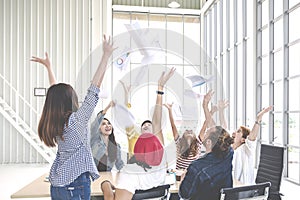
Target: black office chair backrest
270	168
156	192
258	192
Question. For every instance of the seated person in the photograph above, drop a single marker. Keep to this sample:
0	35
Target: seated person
208	174
244	150
106	152
147	167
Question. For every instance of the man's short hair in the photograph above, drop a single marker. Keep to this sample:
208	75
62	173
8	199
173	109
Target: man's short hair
146	121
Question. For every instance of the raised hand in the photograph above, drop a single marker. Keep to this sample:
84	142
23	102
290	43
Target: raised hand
107	45
222	104
43	61
207	97
46	62
165	77
262	112
168	105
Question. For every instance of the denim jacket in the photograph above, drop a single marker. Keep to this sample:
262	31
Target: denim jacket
206	176
99	147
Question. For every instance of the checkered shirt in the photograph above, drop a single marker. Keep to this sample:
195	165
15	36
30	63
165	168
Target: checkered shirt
74	155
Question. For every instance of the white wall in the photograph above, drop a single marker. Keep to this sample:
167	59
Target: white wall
69	31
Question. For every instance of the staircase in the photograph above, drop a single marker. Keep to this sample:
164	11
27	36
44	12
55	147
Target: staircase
27	132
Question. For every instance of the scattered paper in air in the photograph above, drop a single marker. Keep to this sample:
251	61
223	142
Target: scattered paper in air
198	80
123	117
122	61
147	44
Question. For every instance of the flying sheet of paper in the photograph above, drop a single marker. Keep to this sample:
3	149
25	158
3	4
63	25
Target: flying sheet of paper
198	80
147	44
122	61
123	117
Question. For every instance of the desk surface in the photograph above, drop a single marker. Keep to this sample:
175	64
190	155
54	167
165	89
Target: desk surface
41	188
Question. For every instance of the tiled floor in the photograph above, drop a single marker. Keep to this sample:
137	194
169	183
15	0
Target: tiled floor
14	177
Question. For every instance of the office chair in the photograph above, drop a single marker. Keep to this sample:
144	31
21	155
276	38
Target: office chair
156	192
270	169
258	192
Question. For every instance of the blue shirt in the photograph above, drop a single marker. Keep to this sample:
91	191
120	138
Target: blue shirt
74	155
206	176
98	145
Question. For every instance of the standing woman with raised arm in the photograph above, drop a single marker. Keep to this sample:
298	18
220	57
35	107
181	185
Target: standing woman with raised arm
65	124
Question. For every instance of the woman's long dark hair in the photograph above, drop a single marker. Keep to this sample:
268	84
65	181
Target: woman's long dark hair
222	141
185	149
112	145
61	101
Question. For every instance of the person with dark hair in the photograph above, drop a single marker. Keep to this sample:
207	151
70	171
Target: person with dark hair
188	146
207	175
244	150
106	152
64	124
147	167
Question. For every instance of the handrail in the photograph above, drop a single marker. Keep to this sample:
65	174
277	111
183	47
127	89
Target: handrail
18	94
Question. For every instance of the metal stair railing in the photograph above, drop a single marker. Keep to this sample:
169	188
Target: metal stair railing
22	127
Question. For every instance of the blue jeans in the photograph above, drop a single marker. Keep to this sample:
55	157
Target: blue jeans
77	190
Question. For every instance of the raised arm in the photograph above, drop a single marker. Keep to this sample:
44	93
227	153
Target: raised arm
209	120
46	62
221	107
204	126
111	104
100	72
253	133
126	91
157	115
171	118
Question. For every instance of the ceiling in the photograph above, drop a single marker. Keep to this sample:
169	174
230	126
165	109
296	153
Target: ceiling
184	4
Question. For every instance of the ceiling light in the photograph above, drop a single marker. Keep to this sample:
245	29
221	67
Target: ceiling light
173	4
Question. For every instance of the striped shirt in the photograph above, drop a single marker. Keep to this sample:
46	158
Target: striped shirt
74	155
183	162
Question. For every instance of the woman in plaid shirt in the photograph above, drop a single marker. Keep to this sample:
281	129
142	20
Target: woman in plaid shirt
65	124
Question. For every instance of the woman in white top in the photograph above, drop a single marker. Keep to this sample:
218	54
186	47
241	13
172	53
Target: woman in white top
244	150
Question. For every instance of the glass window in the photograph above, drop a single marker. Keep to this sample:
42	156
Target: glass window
278	93
265	69
278	65
294	60
265	12
174	23
278	34
294	30
277	128
240	19
265	39
240	85
265	128
294	94
265	96
293	3
294	127
157	21
293	163
191	41
231	21
278	8
118	23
